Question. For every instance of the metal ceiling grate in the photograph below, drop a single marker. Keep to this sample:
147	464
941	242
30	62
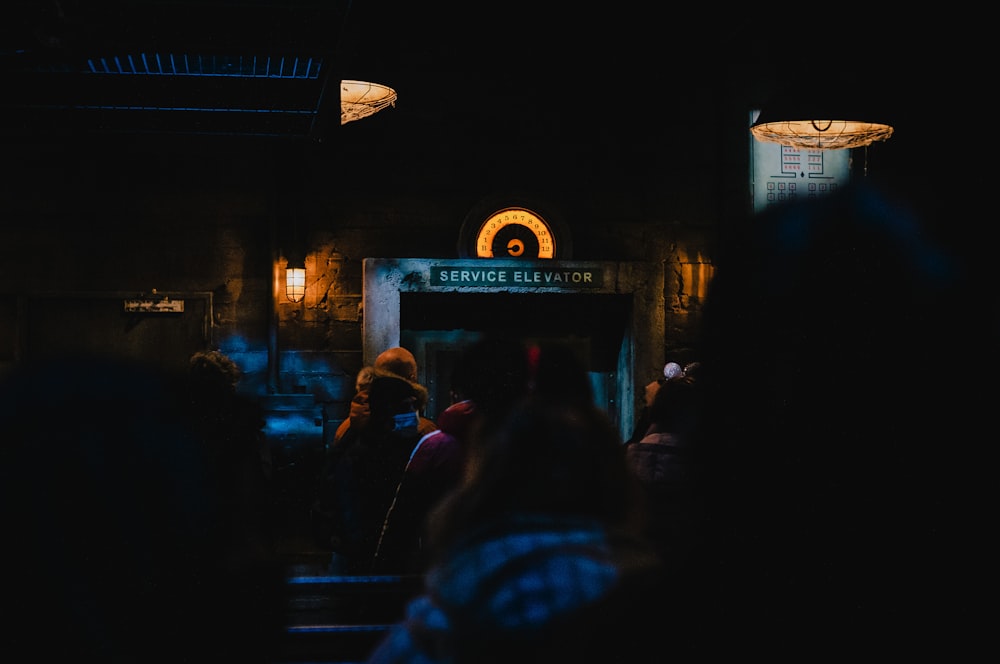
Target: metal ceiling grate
186	64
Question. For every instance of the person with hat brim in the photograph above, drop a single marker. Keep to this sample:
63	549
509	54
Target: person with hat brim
396	361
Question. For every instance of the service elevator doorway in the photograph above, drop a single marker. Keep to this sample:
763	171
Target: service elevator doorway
437	326
616	327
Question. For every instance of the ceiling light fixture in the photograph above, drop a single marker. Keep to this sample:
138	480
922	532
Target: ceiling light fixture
820	134
360	99
832	115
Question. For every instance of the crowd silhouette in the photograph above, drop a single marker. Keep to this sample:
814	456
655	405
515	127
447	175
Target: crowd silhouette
489	375
536	555
811	504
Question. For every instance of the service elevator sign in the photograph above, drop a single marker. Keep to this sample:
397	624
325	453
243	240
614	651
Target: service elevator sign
517	277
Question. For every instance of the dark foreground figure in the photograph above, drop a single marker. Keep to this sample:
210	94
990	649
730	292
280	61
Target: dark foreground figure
841	469
119	540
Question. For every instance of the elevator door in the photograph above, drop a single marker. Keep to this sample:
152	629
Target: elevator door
438	326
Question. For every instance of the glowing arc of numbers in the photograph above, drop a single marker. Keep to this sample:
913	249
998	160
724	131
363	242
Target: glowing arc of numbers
518	217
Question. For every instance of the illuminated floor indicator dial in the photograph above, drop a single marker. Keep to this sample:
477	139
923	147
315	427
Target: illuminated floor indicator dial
515	233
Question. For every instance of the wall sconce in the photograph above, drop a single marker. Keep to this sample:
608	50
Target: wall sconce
295	281
832	116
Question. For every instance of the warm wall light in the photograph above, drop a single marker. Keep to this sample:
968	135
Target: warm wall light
295	283
821	113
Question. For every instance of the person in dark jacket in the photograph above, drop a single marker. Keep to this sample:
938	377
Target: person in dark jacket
490	375
665	461
231	429
398	362
362	483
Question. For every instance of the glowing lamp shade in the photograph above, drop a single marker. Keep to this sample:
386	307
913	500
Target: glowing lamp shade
360	99
821	134
831	112
295	283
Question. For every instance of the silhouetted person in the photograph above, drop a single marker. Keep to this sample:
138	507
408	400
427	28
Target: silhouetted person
489	376
231	427
118	544
397	361
665	461
670	370
841	470
360	488
535	554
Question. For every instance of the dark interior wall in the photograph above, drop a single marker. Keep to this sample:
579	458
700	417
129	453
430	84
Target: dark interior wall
76	324
133	217
129	213
10	338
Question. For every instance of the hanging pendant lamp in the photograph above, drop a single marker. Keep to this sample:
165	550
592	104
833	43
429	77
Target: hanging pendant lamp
824	113
820	134
360	99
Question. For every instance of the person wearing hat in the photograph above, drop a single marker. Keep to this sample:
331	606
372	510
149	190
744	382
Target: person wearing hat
671	370
394	362
397	361
491	375
366	468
